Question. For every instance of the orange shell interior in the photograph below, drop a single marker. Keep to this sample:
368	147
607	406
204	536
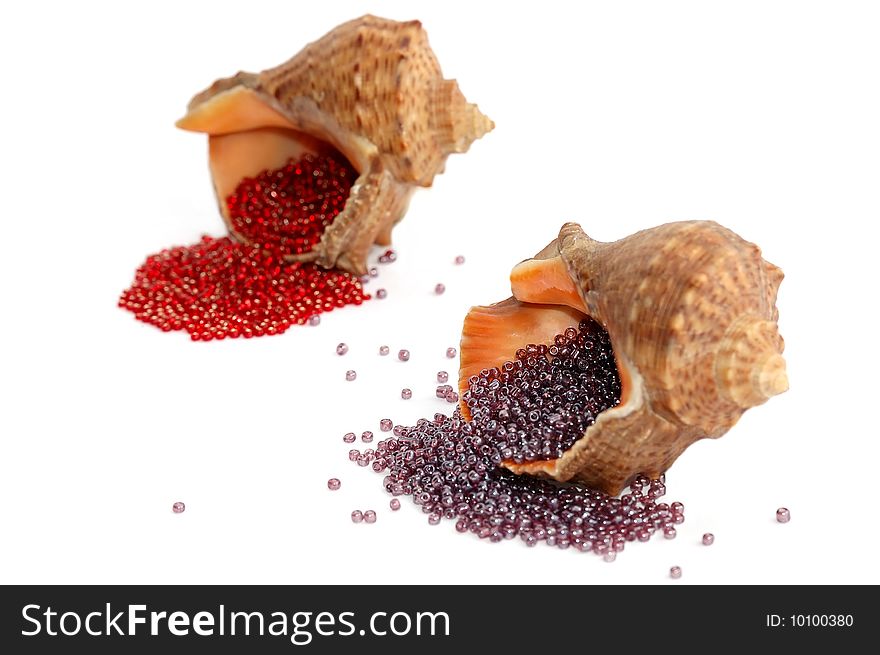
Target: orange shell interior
545	302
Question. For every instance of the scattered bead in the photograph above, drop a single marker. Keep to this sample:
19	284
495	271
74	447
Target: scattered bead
783	515
442	376
314	320
353	455
439	289
459	260
708	539
178	507
403	355
451	353
610	556
333	484
451	397
394	504
357	516
384	350
367	436
442	390
349	437
387	257
433	519
386	424
369	516
374	272
381	293
351	375
675	572
341	349
406	394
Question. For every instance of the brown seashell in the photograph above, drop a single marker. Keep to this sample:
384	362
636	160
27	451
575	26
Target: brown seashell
371	89
690	309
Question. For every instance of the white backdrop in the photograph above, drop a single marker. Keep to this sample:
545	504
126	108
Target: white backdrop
761	115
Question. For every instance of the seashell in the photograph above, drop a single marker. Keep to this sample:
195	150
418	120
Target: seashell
370	89
690	311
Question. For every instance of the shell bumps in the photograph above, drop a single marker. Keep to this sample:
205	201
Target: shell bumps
370	89
690	310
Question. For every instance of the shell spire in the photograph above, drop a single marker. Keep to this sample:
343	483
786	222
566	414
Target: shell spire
458	122
371	90
749	368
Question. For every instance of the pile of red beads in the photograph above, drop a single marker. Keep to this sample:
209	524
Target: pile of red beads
220	288
450	467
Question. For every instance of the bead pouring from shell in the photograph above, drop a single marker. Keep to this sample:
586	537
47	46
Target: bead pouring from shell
690	309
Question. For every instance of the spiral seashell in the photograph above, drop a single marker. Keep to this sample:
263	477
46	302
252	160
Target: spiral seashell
372	90
690	309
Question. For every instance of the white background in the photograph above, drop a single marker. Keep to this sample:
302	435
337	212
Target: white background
764	116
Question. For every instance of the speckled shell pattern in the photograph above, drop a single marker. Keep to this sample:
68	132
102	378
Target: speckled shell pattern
373	89
690	309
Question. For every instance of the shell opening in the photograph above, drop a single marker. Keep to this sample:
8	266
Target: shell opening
248	139
543	373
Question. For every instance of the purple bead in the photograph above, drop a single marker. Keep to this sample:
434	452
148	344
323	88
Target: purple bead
451	397
341	349
349	437
369	516
433	519
363	460
353	455
367	436
385	425
439	288
783	515
333	484
677	508
394	504
403	355
406	394
381	293
351	375
669	533
610	556
708	539
315	319
374	272
442	376
357	516
451	352
384	350
675	572
459	259
178	507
